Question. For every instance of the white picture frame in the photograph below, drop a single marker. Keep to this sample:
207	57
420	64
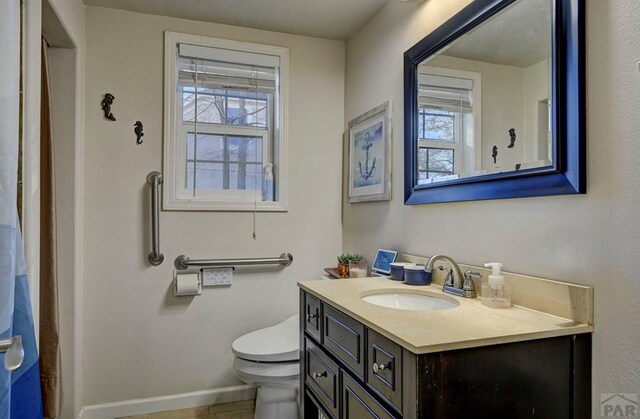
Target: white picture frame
370	155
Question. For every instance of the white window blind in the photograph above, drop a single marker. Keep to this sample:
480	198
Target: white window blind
446	93
220	68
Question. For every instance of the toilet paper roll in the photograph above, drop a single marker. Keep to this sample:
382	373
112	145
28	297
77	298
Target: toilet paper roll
187	284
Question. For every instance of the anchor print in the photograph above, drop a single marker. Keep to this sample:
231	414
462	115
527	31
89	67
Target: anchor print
367	172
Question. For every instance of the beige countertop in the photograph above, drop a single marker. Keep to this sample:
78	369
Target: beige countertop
470	324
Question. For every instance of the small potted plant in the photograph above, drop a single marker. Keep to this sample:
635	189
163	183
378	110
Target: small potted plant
343	263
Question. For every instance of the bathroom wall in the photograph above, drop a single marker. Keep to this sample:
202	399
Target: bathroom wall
139	341
589	239
537	89
72	16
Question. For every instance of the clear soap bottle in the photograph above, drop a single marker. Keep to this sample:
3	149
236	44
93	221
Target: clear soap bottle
495	293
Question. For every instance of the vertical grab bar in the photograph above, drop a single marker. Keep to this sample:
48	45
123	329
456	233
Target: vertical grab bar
155	256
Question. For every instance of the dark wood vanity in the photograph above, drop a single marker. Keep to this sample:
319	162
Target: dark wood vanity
349	370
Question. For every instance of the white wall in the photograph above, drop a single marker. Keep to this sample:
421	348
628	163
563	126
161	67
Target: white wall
72	17
591	239
139	341
537	88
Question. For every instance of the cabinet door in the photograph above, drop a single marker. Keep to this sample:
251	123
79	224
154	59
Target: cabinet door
358	404
344	337
314	409
312	316
384	375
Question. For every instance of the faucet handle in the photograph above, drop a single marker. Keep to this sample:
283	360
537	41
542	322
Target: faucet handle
472	274
469	287
449	280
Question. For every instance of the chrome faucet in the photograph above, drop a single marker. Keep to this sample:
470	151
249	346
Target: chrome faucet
456	283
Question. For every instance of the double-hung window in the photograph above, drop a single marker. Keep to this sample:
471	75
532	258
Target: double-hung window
225	125
447	116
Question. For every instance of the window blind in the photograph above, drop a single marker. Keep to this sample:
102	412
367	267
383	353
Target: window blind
447	93
220	68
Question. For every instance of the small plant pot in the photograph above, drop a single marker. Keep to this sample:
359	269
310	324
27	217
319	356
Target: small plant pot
343	270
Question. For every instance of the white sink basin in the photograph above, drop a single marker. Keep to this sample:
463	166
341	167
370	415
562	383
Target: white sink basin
410	301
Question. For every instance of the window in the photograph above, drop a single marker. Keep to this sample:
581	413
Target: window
225	125
434	163
447	117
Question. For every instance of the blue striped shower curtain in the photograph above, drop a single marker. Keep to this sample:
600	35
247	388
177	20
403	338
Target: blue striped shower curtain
19	390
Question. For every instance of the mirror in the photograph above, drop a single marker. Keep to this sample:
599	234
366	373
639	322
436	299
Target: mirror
494	104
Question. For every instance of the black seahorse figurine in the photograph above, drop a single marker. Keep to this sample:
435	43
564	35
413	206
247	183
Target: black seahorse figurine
494	154
512	134
106	106
138	130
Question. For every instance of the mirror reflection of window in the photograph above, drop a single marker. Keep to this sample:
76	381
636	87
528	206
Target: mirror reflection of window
447	111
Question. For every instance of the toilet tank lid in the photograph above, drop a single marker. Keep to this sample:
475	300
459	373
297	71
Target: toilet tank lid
272	344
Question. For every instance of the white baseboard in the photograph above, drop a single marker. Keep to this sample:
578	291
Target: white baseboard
173	402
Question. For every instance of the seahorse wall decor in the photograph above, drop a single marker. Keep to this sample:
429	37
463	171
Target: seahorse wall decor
494	154
138	131
512	135
106	106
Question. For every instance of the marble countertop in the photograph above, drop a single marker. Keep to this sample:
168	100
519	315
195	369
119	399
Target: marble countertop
470	324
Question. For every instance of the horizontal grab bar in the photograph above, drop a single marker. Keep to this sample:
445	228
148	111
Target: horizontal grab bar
183	262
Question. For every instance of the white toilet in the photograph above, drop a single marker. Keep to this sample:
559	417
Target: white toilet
269	359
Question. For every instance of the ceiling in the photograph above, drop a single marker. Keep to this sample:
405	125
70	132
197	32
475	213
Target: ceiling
335	19
519	36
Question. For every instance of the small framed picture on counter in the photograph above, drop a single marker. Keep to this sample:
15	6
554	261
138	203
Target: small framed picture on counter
383	260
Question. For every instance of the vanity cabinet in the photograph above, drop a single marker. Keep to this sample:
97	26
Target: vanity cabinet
349	370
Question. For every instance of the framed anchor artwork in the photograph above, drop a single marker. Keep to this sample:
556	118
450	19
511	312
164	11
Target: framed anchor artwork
370	155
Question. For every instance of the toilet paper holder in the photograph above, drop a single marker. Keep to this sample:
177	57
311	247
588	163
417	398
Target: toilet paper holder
187	284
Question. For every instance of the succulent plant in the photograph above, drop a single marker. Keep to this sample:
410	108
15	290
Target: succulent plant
348	257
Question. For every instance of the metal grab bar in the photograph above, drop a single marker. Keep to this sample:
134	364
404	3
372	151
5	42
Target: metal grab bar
14	352
155	256
183	262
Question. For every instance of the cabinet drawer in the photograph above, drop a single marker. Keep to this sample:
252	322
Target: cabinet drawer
312	316
357	403
344	337
384	374
322	376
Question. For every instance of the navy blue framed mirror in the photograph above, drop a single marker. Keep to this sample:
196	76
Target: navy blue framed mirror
494	104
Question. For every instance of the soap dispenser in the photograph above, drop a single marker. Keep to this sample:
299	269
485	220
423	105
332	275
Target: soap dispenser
496	293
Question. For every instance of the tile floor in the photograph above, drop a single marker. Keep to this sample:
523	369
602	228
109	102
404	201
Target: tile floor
235	410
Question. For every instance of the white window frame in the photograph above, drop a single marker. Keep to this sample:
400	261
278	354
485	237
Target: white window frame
460	145
174	196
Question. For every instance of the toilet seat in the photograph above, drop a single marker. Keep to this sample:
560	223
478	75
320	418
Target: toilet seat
272	344
266	371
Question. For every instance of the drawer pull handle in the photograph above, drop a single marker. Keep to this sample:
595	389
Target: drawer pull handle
380	367
317	375
311	316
